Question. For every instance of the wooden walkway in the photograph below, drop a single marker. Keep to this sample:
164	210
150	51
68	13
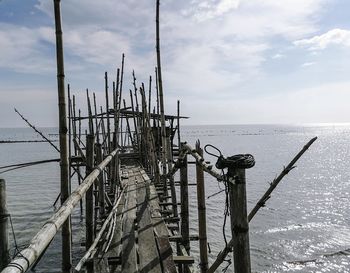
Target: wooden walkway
141	239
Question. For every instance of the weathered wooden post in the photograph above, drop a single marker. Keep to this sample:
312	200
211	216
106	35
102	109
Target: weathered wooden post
64	163
185	227
4	237
239	219
202	224
89	197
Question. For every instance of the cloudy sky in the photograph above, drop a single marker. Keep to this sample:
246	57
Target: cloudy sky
228	61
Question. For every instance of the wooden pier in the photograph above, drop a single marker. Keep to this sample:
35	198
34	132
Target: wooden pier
125	162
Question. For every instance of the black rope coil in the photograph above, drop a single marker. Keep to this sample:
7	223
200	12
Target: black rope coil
240	161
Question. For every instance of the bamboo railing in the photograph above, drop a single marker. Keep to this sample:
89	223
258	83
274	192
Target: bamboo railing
27	257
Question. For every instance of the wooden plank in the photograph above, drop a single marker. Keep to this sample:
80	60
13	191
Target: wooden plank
161	232
183	259
100	265
129	260
147	249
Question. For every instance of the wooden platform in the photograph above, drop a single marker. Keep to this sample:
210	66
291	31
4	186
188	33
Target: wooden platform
141	239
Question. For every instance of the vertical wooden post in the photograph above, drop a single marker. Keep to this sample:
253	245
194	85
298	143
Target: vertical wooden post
202	224
4	236
89	202
101	183
239	221
185	227
64	164
171	180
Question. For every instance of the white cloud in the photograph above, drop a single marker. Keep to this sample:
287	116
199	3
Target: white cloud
278	56
214	56
308	64
22	51
332	37
205	10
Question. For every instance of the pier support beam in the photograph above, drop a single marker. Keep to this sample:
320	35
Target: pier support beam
185	227
202	218
89	197
4	237
239	221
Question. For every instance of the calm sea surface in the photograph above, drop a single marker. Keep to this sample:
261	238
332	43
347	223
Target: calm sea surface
305	226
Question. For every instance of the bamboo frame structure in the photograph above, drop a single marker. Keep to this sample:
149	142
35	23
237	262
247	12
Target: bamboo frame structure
127	178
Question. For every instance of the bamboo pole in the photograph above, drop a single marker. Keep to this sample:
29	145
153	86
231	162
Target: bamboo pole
135	122
64	164
91	251
76	146
4	233
89	198
107	114
149	95
157	90
116	110
202	221
79	126
96	120
36	130
74	120
222	255
128	125
178	125
161	100
172	182
206	167
70	138
23	261
91	124
278	179
121	80
101	183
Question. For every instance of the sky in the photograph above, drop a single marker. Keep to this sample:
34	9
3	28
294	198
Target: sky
227	61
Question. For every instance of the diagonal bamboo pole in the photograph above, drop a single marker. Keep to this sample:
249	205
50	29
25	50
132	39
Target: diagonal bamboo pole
26	258
36	130
222	255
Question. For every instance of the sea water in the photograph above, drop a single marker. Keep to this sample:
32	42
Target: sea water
304	227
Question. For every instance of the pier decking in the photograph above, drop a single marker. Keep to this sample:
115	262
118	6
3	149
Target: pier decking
141	241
